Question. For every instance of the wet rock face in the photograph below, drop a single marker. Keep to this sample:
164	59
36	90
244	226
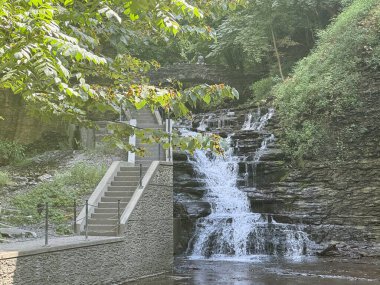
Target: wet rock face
188	203
337	201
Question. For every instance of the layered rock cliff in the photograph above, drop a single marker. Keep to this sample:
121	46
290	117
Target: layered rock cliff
337	198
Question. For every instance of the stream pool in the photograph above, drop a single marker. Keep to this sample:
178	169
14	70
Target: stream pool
270	271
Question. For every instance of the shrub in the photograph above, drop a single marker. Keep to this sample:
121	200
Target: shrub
4	178
10	152
262	89
60	193
325	85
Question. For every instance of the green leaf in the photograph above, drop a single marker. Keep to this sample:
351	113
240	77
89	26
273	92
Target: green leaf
207	98
78	56
140	105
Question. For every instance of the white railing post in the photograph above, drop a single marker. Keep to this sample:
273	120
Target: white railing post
169	129
132	141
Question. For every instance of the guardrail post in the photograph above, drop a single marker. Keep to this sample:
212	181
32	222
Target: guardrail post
118	217
46	223
86	226
75	216
170	140
140	183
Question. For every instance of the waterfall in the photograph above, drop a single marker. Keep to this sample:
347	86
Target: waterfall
257	125
264	145
202	125
233	229
247	122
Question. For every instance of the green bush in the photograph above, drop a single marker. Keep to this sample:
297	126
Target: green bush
4	178
326	84
60	193
11	152
262	89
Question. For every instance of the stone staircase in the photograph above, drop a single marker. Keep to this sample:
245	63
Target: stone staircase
104	217
104	220
101	131
147	120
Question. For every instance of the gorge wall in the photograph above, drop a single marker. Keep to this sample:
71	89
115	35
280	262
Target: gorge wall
19	125
337	196
193	74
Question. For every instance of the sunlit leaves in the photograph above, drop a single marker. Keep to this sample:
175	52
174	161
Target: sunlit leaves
121	131
110	13
70	58
176	101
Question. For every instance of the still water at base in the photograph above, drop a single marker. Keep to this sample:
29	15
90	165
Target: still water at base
264	270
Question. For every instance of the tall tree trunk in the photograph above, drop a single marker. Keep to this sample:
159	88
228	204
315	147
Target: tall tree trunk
277	54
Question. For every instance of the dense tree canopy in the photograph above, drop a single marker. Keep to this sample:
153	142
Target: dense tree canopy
70	57
267	33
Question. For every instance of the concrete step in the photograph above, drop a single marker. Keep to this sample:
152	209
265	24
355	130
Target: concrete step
112	211
102	228
120	194
125	183
104	216
151	126
109	221
128	173
130	168
127	178
122	188
146	158
115	199
102	233
108	205
146	163
147	121
150	157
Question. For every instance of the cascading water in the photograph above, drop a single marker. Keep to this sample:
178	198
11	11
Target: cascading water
259	123
232	229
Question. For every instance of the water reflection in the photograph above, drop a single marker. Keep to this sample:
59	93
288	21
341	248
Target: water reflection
275	271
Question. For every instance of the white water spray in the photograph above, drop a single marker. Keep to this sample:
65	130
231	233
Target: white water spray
232	230
257	125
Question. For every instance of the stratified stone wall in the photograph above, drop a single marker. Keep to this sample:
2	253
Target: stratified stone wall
18	125
337	199
193	74
146	249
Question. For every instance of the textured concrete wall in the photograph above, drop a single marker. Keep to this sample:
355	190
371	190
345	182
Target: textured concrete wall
18	125
193	74
145	249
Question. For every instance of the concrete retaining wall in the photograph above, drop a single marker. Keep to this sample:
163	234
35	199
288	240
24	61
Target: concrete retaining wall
145	249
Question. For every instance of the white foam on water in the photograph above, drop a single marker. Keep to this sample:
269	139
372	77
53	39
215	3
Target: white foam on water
232	231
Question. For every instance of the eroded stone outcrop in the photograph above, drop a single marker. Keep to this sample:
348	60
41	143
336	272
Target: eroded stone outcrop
338	199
